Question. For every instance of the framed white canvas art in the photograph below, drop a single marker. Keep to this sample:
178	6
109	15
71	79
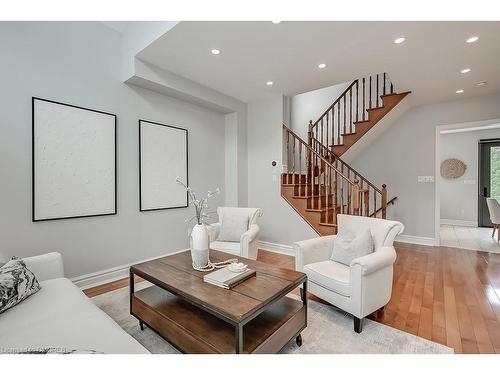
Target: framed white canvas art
163	156
73	161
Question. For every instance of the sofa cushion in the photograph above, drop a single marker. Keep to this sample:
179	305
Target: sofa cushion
16	283
227	247
349	246
330	275
234	223
61	316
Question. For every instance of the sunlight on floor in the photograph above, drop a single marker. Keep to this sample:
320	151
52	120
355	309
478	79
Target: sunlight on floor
472	238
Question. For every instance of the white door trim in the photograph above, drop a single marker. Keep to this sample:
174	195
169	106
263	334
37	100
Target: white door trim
437	174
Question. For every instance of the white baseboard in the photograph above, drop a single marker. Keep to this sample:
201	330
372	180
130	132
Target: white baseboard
109	275
461	223
417	240
277	248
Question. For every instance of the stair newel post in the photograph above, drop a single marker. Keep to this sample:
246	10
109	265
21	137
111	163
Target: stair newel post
384	201
366	201
310	164
294	158
287	134
355	197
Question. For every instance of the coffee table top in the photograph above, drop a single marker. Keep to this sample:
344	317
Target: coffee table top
239	304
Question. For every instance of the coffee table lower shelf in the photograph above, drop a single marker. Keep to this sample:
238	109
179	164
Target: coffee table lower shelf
193	330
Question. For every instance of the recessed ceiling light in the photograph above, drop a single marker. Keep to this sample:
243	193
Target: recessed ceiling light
399	40
269	83
275	21
459	91
322	66
466	70
481	83
472	39
215	52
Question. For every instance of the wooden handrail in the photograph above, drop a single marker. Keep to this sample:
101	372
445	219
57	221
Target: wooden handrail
350	107
309	148
374	214
335	102
356	173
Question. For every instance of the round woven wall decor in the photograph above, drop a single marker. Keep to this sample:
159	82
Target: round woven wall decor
452	168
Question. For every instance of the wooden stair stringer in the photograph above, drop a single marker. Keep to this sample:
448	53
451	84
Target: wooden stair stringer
374	116
310	217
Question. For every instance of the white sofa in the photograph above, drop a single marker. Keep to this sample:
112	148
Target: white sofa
366	284
248	246
61	316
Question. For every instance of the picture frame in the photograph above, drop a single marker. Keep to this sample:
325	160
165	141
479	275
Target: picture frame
163	156
74	161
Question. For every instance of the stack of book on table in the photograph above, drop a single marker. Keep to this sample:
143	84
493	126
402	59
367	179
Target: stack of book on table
227	279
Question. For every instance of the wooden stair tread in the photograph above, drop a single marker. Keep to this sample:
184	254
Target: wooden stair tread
395	94
319	209
327	224
360	122
375	108
308	198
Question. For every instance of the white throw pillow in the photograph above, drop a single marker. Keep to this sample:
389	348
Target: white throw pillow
347	246
233	224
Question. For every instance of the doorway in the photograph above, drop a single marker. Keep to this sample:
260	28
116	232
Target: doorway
489	177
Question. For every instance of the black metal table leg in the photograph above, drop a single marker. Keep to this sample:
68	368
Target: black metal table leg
304	296
239	339
298	340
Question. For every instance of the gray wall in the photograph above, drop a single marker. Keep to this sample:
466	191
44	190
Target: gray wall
80	63
280	223
459	196
408	151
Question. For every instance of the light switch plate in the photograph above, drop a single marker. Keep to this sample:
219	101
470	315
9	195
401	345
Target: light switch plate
425	179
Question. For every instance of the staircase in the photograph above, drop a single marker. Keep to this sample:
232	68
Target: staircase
317	183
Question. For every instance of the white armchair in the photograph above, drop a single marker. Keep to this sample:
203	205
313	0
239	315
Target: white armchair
248	245
361	288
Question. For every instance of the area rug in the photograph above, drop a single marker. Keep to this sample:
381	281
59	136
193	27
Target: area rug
329	331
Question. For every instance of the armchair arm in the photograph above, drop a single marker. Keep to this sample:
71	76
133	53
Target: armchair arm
46	266
313	250
213	231
370	263
251	234
249	242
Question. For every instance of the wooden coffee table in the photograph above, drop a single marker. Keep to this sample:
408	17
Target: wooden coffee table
196	317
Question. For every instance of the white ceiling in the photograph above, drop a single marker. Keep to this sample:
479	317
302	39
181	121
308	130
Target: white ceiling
118	26
252	53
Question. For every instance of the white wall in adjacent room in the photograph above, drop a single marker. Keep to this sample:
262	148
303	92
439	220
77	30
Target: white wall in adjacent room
407	151
80	63
459	197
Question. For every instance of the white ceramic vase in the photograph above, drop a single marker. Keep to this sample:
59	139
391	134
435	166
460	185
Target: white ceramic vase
199	245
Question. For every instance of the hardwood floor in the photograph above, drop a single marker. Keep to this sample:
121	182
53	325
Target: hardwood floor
447	295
